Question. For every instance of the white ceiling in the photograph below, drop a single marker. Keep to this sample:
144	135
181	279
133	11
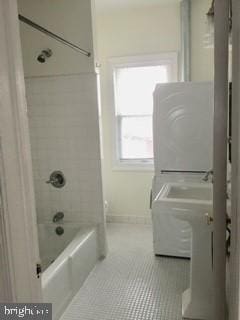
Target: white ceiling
108	5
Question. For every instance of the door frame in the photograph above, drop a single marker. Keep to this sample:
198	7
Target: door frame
234	308
5	275
221	48
18	217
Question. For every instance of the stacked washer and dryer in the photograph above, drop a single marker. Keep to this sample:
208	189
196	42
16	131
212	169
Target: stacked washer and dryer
183	152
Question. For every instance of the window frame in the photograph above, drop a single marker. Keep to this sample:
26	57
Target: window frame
171	60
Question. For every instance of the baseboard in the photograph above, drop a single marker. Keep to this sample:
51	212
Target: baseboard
128	219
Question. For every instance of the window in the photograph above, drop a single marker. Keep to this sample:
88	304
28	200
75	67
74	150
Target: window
135	79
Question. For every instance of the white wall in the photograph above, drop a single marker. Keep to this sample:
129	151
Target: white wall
69	19
202	58
63	137
119	33
138	32
63	111
125	33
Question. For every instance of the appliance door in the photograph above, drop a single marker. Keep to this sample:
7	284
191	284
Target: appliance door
183	127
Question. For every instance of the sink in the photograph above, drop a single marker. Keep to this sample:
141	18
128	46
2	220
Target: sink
190	192
196	197
192	203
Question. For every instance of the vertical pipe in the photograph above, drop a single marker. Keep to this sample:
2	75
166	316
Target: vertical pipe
185	9
221	22
235	216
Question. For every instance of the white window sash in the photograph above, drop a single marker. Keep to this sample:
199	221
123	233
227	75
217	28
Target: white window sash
170	60
119	141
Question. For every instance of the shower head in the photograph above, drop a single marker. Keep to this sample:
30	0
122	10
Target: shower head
46	53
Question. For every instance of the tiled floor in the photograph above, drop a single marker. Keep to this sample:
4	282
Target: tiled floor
131	283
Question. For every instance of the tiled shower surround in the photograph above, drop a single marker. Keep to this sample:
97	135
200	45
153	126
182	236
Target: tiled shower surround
64	130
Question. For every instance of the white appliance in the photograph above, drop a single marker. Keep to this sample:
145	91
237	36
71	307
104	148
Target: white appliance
192	202
183	142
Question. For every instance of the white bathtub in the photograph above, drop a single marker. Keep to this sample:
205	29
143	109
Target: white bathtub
67	260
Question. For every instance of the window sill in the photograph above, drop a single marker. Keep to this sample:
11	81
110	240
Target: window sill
145	167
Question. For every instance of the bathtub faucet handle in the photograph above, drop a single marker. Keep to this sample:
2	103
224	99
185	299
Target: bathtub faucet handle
58	217
57	179
52	181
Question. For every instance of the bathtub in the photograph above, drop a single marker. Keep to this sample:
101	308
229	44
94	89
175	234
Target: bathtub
67	260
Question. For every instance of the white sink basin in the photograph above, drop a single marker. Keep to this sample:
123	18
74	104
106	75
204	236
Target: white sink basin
195	192
187	196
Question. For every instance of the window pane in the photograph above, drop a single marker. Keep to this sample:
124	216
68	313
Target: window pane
136	137
135	86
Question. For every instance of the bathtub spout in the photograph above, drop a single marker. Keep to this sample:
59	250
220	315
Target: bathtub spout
58	217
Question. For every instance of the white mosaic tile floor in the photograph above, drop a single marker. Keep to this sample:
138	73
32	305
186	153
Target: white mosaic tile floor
131	283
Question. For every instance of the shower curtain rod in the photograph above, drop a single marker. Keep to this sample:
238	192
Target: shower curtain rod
53	35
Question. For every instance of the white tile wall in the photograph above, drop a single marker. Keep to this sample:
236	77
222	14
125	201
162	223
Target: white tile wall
64	130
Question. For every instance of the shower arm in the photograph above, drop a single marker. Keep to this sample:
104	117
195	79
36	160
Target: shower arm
53	35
